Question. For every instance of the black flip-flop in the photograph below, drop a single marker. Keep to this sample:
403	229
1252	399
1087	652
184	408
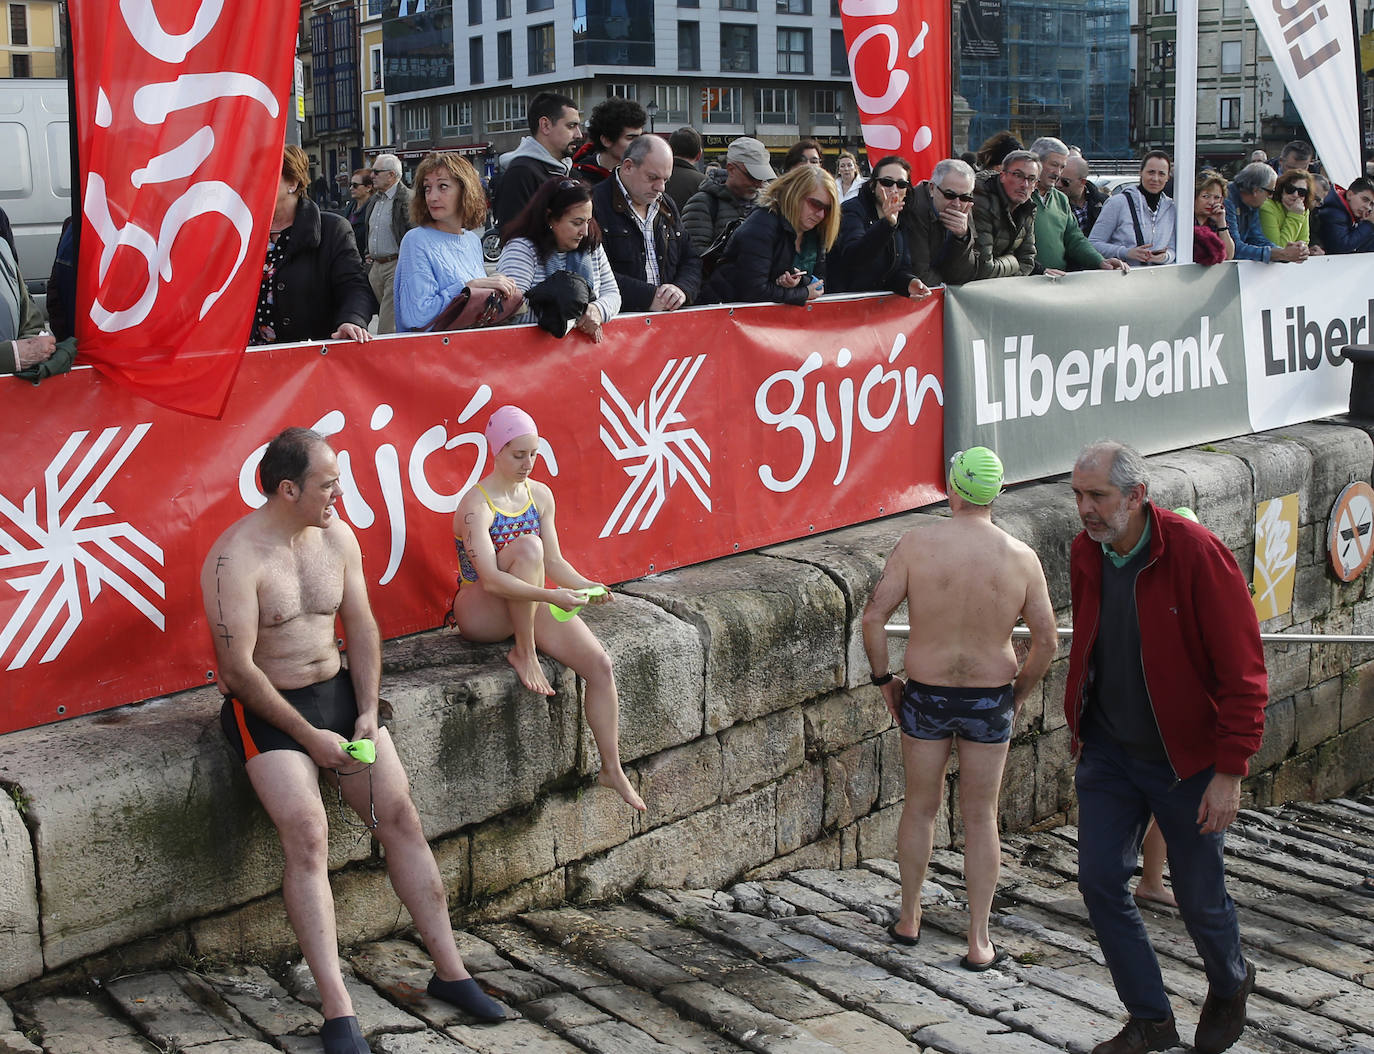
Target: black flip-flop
902	938
999	956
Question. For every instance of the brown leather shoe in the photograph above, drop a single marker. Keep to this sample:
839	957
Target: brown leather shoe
1141	1035
1223	1019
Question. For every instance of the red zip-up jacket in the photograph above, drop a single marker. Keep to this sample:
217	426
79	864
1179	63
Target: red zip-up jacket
1199	645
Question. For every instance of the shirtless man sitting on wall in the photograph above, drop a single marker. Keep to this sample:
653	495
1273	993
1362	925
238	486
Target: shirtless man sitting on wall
967	582
273	585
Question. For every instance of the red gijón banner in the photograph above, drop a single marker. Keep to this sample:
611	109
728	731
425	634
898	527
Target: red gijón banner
682	438
899	62
180	108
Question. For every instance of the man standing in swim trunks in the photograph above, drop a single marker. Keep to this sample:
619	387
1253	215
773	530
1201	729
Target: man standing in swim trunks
967	582
1165	702
273	584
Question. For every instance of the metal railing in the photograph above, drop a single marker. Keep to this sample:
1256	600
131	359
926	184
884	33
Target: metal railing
897	629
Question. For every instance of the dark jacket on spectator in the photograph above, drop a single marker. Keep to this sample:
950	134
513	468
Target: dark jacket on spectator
937	256
1093	200
762	247
679	263
870	254
358	218
684	182
1337	231
1006	235
523	171
711	209
322	284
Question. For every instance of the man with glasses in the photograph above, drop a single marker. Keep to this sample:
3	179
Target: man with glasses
939	231
1085	199
1250	189
1060	244
1004	217
387	223
727	197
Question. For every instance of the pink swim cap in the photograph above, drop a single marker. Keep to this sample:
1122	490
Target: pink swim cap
507	423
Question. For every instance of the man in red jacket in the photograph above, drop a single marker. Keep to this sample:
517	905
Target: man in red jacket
1165	702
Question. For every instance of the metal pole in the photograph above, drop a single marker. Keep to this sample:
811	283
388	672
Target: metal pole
897	629
1185	120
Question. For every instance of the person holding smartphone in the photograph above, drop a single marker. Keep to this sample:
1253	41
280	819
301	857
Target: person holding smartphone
1139	224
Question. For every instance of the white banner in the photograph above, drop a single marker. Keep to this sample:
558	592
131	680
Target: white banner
1314	48
1297	318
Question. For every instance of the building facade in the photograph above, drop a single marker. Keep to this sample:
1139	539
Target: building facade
32	43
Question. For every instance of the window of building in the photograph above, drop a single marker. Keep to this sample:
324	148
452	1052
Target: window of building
455	118
476	73
739	5
1166	7
502	9
688	3
505	64
474	12
794	7
531	6
19	26
839	54
374	59
823	105
673	102
506	113
1228	114
1162	54
689	45
416	118
775	105
20	66
722	106
374	124
541	48
1230	56
621	90
794	50
1232	8
375	8
739	49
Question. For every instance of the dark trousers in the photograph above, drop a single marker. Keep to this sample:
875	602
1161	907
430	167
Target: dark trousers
1117	794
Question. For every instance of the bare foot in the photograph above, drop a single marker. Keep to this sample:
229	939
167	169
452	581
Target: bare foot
529	671
1160	894
620	783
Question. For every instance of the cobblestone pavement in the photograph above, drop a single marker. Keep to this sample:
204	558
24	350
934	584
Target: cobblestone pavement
798	965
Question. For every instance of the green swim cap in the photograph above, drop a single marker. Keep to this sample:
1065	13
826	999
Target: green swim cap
1186	513
975	475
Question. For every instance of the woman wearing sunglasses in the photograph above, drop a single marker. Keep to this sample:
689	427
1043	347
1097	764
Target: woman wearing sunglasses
779	252
1285	217
872	254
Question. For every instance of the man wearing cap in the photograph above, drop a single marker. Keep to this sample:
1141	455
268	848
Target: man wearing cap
1165	703
725	199
967	582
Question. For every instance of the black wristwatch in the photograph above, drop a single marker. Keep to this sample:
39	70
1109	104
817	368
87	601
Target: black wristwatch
881	679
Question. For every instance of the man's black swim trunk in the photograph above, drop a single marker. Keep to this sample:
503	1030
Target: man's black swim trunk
980	715
327	704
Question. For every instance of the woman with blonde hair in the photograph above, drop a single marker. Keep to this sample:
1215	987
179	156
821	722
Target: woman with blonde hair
441	255
1212	242
847	176
779	252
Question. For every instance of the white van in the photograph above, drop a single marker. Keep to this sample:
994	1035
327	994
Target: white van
36	177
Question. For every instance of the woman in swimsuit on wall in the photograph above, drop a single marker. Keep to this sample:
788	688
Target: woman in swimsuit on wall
507	550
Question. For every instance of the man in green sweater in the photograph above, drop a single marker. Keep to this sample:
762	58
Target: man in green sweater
1060	244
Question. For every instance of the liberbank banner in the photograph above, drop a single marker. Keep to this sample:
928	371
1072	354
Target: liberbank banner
1036	367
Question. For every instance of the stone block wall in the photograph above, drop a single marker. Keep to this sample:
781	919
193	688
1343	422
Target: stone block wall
748	725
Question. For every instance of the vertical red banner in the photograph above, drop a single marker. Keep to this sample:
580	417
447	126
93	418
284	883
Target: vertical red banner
181	115
899	61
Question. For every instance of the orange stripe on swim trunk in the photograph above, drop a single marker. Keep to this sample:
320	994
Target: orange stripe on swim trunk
250	749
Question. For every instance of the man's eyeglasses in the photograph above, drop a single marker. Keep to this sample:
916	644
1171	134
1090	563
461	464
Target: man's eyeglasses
950	195
823	207
1024	177
889	182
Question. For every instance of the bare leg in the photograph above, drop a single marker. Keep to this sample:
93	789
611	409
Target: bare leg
482	616
574	645
287	784
1151	885
409	860
924	762
980	781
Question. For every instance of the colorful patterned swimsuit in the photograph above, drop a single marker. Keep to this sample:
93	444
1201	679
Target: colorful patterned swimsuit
505	528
